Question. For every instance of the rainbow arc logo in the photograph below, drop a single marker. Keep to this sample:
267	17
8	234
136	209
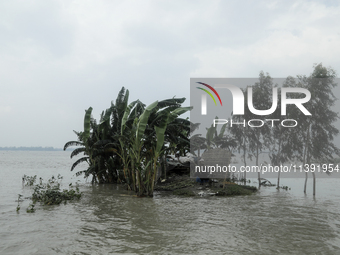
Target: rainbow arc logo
209	93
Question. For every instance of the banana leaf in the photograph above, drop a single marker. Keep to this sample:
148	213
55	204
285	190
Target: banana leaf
77	151
171	102
105	117
73	143
174	114
143	121
126	115
160	130
87	125
83	159
222	130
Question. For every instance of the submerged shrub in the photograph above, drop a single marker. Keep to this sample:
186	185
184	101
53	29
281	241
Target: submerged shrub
53	196
31	208
29	180
50	194
19	200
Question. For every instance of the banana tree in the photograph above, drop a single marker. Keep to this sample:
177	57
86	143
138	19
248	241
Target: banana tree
83	142
142	143
129	140
131	143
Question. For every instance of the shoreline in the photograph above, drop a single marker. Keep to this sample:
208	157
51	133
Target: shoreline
183	185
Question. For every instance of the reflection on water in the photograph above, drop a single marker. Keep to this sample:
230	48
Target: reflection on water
109	220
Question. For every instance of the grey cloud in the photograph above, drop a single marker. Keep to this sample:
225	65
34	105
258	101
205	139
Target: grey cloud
57	58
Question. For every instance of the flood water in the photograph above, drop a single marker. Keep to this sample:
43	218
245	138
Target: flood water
110	220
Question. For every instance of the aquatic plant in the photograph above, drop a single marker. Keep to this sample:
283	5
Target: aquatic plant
283	187
19	200
31	208
50	194
29	180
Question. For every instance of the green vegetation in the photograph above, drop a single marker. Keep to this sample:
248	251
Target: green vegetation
128	143
48	193
131	140
19	200
31	208
283	187
29	180
312	140
176	183
236	190
185	186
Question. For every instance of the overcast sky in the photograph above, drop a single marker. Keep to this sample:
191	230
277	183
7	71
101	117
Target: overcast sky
57	58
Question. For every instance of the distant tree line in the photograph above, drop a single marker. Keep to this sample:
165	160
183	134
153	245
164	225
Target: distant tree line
311	141
22	148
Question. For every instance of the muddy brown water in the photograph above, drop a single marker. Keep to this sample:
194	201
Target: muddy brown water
110	220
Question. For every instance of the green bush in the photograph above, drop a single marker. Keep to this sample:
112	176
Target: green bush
29	180
50	194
